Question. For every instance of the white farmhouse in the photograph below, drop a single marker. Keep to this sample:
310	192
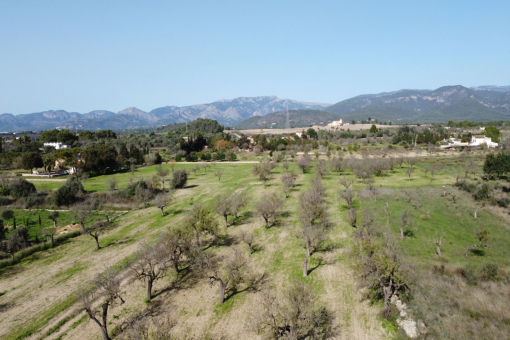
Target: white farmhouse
336	123
57	146
477	140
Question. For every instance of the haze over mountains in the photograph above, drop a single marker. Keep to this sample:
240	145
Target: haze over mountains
480	103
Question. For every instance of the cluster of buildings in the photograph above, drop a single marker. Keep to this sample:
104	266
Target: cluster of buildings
476	140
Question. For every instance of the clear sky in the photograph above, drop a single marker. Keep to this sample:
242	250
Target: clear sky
87	55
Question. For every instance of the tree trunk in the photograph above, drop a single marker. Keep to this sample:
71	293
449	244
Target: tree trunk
475	214
197	240
223	286
267	221
401	233
305	267
388	293
97	241
307	247
54	223
162	213
149	289
52	240
83	228
438	249
226	221
103	326
176	266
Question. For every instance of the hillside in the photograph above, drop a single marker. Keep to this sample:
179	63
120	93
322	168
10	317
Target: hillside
297	118
417	106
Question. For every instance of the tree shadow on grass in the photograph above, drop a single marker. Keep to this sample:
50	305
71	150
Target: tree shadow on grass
185	279
191	186
221	240
11	271
320	263
242	219
253	284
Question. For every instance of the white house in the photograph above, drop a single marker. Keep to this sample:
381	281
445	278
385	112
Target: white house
57	146
477	140
336	123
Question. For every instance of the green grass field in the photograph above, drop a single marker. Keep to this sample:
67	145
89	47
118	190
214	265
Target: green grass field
280	252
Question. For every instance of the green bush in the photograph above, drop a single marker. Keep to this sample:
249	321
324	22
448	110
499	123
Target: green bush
21	188
489	272
180	177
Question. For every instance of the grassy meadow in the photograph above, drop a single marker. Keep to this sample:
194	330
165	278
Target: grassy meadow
40	294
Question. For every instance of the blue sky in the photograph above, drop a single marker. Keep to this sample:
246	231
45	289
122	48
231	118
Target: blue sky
86	55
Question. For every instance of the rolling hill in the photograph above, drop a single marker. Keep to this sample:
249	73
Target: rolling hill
297	118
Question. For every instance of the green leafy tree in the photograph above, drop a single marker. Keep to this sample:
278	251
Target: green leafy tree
373	129
99	158
31	160
493	132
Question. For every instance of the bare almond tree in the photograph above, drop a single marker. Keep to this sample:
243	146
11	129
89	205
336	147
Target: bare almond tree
294	314
314	218
406	221
162	201
247	238
321	167
106	288
150	265
84	211
438	241
219	173
162	174
224	272
346	182
304	163
288	182
112	183
269	206
348	196
223	206
336	164
409	171
352	216
177	245
238	200
96	229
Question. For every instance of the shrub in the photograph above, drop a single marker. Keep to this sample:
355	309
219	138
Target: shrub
66	194
21	188
180	177
4	200
489	272
469	274
178	157
131	188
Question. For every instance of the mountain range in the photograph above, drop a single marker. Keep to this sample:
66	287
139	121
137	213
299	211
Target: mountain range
226	112
480	103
